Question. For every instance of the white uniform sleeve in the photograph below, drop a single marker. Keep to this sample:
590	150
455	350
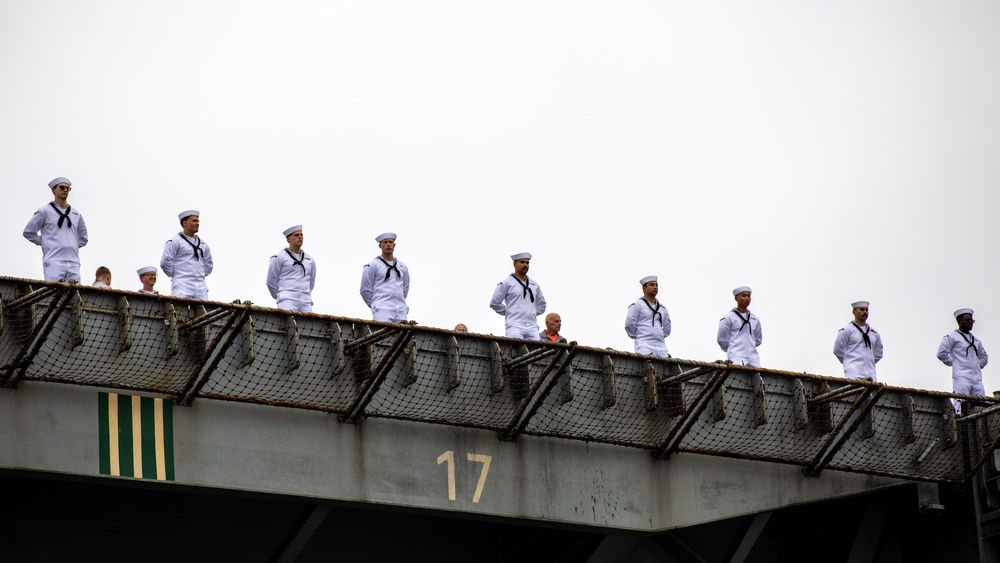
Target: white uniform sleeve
758	334
167	259
877	348
207	263
34	225
367	284
840	344
81	232
983	357
312	276
666	323
722	336
944	351
273	269
539	302
496	302
631	320
406	282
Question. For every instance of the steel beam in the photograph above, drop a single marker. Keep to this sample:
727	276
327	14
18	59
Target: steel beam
201	374
862	406
371	384
535	400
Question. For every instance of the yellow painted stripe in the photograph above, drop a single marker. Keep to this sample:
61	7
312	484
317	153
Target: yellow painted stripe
113	433
161	454
137	436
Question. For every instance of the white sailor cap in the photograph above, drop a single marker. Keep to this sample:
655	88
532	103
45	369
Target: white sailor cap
521	256
185	214
60	180
962	312
647	279
384	236
146	270
287	232
741	289
857	304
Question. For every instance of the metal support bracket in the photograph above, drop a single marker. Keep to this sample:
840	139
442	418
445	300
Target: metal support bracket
496	368
213	355
337	352
294	350
609	387
561	363
704	398
372	383
854	416
125	320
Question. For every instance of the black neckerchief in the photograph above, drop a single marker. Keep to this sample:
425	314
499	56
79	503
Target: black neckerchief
527	290
864	333
297	262
63	216
971	343
196	248
656	312
746	321
391	267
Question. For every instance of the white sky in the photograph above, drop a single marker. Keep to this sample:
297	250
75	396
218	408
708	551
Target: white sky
820	152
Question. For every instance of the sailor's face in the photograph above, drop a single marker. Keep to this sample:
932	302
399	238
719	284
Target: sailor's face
148	280
61	192
861	314
650	289
191	224
521	266
295	239
965	322
743	299
388	246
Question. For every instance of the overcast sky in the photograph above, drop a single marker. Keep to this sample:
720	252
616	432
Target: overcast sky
821	152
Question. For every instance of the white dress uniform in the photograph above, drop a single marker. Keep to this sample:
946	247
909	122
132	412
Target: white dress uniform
859	349
648	324
61	233
291	278
967	358
187	261
520	303
739	336
384	287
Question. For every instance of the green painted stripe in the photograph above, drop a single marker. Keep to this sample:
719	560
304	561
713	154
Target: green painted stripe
148	438
105	436
168	438
125	450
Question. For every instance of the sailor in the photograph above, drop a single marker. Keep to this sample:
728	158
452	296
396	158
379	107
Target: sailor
553	324
739	331
291	276
965	354
858	346
385	283
147	276
61	232
187	259
102	277
519	300
647	321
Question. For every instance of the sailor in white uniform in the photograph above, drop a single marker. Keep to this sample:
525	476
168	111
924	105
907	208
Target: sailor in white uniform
291	276
385	283
647	321
966	356
739	332
520	300
858	346
187	259
61	232
147	276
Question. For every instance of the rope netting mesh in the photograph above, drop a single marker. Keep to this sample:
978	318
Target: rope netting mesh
353	368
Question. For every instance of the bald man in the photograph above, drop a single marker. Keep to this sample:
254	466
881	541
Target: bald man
553	324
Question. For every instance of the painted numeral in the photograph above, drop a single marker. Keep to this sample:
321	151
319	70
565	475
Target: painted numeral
449	457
